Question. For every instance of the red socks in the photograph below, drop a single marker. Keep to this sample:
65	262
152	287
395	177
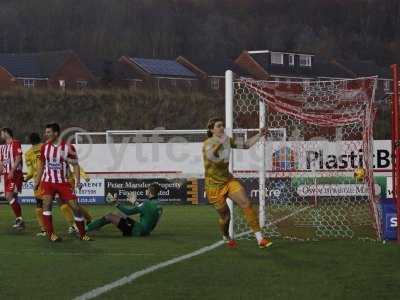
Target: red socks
48	222
16	208
80	223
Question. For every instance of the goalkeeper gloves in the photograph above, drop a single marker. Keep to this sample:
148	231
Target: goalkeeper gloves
111	199
132	198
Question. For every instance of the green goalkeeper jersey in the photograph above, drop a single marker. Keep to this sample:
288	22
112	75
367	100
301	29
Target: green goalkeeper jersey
150	212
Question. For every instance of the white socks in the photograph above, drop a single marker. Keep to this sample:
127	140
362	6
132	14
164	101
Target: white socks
259	236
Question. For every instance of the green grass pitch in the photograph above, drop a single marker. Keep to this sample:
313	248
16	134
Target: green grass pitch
33	268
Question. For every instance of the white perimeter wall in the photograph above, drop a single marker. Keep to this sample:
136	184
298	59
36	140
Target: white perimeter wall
186	158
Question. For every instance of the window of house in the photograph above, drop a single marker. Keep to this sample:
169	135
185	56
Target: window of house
291	59
215	83
81	84
277	58
29	83
305	60
386	85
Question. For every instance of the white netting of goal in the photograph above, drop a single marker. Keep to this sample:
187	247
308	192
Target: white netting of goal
301	175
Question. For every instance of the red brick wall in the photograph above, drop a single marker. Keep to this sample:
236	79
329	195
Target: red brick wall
72	71
41	83
175	84
134	84
122	84
6	79
247	63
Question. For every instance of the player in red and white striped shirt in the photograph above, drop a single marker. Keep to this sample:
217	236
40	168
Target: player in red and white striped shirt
11	168
55	157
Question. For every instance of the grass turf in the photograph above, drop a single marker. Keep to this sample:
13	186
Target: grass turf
33	268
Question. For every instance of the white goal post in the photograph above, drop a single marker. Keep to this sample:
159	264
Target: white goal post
229	130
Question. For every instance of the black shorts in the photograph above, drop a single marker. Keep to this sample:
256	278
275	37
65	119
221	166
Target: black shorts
126	226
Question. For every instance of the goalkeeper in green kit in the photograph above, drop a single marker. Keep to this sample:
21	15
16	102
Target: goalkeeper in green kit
149	210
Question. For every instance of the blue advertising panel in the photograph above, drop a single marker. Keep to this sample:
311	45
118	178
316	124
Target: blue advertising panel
389	219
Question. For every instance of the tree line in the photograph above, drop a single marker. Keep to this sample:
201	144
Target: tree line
204	30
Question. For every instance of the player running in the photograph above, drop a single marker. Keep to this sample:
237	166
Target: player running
149	210
55	157
220	184
11	168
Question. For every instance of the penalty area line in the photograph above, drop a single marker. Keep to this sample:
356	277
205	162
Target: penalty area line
132	277
128	279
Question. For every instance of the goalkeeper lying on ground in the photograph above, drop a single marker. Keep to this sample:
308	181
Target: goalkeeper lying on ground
150	212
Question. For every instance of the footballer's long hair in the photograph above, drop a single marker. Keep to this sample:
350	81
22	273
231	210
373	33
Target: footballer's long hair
211	124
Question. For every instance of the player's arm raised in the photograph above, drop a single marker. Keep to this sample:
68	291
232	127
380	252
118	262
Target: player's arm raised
254	139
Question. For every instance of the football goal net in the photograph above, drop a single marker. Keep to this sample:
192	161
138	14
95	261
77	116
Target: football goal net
301	175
